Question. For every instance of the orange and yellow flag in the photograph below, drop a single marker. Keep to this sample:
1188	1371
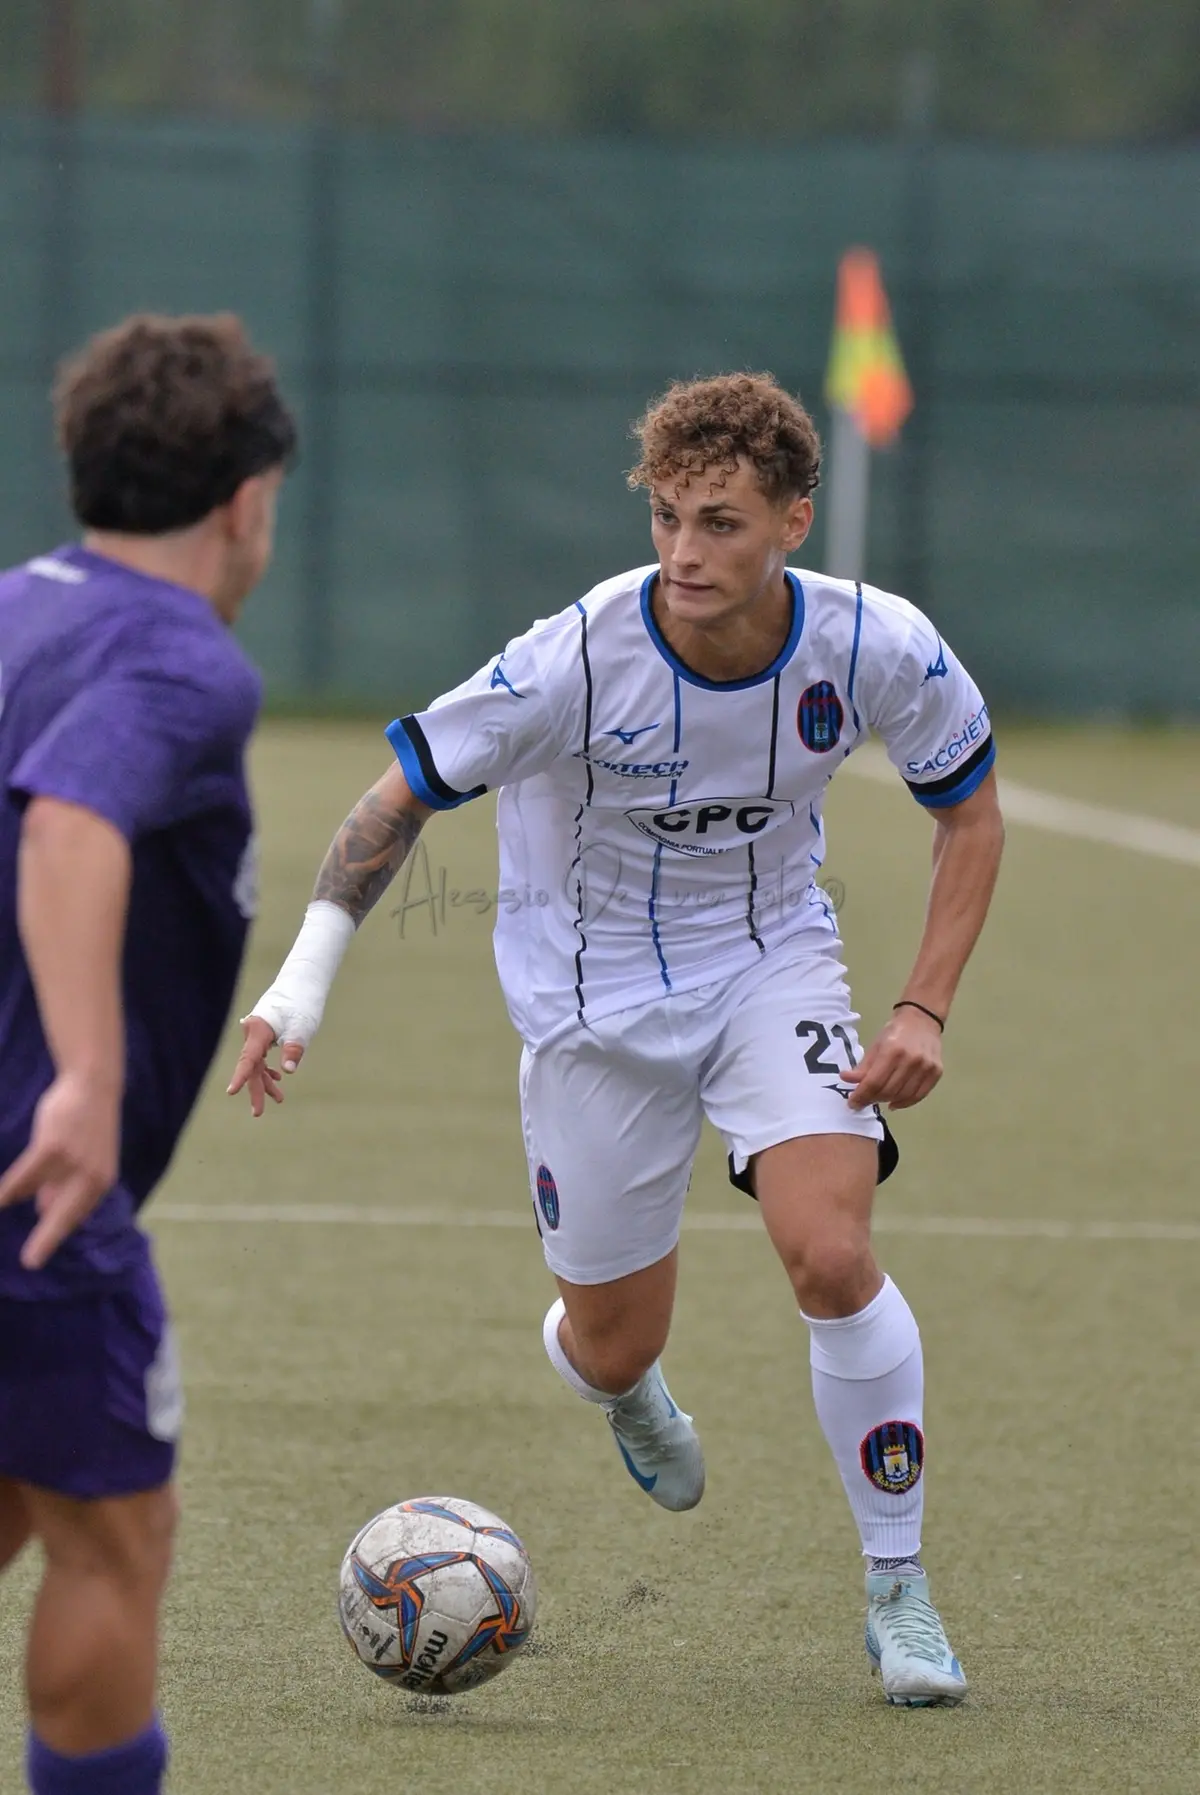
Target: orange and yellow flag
866	375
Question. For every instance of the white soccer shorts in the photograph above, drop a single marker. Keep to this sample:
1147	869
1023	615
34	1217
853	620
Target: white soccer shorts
612	1112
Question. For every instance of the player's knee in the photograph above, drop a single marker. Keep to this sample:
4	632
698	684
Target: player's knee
833	1273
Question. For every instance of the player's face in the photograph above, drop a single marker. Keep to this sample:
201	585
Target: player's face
722	543
250	540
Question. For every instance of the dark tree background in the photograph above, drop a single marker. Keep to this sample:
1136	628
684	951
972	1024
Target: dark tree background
1031	71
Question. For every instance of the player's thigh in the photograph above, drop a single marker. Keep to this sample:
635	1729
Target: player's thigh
776	1072
816	1193
611	1118
90	1400
124	1540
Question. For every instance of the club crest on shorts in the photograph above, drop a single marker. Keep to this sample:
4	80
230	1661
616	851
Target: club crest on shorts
819	717
547	1196
892	1456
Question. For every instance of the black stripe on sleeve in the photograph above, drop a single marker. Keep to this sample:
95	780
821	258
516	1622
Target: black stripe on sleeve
433	778
959	774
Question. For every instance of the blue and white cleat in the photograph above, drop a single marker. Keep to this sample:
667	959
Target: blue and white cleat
658	1443
907	1643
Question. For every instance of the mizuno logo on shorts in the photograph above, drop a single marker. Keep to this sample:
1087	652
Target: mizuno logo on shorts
710	825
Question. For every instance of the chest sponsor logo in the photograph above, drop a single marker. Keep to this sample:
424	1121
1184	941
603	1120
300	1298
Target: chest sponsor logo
819	717
636	769
711	825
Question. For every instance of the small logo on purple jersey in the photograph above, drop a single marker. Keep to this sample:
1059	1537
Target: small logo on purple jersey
547	1196
819	717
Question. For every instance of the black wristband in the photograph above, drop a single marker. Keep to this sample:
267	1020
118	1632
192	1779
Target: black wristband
910	1003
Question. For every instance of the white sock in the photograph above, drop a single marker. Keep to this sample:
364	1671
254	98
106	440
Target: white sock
559	1359
869	1388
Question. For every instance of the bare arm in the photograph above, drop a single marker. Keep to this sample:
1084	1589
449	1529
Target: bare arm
371	846
72	895
364	857
904	1062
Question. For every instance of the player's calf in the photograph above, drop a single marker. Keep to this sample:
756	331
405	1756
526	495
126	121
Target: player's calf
91	1663
656	1440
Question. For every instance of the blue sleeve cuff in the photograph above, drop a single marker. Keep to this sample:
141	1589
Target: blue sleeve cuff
958	786
411	749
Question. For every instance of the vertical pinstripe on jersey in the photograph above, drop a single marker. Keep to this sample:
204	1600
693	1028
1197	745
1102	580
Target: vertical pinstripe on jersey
654	930
858	610
750	919
587	799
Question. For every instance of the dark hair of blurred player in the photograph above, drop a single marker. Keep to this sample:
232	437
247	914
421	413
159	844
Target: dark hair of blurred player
126	885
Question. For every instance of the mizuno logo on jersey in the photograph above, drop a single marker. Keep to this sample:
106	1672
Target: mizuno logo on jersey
500	678
636	769
972	731
630	736
936	669
711	825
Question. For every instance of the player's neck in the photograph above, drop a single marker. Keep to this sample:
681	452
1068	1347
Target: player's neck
180	558
737	646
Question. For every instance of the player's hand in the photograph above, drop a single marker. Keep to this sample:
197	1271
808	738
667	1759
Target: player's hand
252	1070
902	1064
70	1163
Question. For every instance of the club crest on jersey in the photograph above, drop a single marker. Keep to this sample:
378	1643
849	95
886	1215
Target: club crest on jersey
547	1196
711	825
892	1456
819	717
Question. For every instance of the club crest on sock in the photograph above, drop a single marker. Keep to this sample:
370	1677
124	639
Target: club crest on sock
892	1456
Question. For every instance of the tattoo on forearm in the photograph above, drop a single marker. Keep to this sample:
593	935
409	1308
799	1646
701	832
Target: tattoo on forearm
366	854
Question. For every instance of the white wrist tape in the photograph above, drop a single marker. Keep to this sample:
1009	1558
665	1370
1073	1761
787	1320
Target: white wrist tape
295	1003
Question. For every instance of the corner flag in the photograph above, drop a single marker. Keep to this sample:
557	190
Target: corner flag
870	397
866	374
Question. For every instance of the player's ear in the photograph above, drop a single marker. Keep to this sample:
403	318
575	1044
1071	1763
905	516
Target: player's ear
797	523
246	510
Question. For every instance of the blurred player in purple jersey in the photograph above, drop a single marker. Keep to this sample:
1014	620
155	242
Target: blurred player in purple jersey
126	887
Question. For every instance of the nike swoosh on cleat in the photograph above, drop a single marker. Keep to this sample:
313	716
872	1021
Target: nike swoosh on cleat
647	1483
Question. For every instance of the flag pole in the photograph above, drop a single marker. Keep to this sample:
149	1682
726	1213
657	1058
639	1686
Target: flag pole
849	498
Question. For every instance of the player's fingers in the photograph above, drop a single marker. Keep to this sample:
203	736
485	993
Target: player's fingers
247	1068
875	1071
64	1209
259	1038
271	1087
915	1089
292	1053
23	1176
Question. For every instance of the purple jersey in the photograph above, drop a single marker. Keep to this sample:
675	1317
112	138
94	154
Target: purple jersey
129	696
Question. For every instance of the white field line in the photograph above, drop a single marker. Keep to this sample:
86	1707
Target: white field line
1065	816
352	1215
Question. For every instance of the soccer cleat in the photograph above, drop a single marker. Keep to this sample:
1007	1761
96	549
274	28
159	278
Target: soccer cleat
658	1443
907	1643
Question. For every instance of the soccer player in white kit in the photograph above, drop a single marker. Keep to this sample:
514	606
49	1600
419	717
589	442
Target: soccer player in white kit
662	749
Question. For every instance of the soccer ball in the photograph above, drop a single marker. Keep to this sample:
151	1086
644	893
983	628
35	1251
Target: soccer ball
436	1595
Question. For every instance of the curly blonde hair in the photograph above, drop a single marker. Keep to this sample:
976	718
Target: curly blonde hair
698	424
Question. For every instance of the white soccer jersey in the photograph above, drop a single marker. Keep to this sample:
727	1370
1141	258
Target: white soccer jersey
659	830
